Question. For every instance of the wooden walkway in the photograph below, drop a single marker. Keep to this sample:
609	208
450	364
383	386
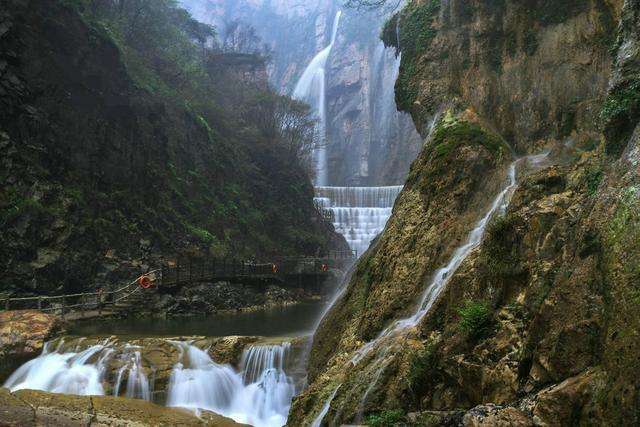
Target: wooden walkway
286	271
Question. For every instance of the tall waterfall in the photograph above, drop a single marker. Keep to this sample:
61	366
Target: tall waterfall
359	213
259	394
311	88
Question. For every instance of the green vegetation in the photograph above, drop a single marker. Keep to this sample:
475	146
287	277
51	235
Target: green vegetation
593	179
620	115
498	255
421	370
385	418
623	239
475	318
171	137
416	34
452	133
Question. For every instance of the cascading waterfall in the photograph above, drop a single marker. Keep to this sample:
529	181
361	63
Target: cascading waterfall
137	385
259	394
359	213
444	274
57	372
311	88
441	277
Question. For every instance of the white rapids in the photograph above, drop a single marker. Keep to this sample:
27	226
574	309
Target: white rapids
259	394
57	372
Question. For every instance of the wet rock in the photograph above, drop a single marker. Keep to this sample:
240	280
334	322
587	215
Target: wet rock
14	412
34	408
496	416
22	336
57	409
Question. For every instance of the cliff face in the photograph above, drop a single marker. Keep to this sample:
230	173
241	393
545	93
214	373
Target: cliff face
369	141
101	162
537	324
536	69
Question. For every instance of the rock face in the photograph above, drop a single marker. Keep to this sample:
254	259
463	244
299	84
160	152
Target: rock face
536	71
23	335
369	142
538	324
34	408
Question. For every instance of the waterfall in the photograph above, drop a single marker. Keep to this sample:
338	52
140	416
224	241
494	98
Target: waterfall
317	422
137	382
69	373
359	213
259	394
444	274
311	88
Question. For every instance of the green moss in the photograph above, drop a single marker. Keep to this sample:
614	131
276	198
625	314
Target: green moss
421	370
416	34
498	256
386	418
620	114
593	179
623	237
475	318
453	133
530	42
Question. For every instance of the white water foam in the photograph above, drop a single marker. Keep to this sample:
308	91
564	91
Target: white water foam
260	394
69	373
137	386
360	213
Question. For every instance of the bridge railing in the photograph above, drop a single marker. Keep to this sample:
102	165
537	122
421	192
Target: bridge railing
78	302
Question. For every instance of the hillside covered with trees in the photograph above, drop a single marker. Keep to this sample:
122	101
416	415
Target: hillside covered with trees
127	132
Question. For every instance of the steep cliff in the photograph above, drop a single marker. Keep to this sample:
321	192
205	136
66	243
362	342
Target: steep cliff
536	324
117	145
368	141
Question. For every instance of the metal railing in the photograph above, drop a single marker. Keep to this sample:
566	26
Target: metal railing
178	272
79	302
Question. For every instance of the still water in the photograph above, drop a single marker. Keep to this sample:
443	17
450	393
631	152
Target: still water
293	320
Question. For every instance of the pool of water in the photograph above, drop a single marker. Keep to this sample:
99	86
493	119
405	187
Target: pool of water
292	320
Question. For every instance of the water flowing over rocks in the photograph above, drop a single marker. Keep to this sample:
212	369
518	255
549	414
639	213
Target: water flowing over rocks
23	335
536	325
249	379
358	213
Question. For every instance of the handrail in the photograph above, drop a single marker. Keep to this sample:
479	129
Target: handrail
201	269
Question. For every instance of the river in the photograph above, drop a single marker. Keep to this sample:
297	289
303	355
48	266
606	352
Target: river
286	321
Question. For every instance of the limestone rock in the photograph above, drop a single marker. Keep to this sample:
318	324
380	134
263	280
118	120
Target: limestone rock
35	408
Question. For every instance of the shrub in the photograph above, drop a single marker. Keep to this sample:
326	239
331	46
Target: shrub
385	418
475	318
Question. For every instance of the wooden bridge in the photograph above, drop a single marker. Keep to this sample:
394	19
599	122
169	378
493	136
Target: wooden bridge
301	272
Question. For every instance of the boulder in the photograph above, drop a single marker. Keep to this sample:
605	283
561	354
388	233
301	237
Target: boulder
491	415
31	408
22	336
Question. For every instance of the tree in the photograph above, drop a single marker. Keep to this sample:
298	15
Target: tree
386	5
